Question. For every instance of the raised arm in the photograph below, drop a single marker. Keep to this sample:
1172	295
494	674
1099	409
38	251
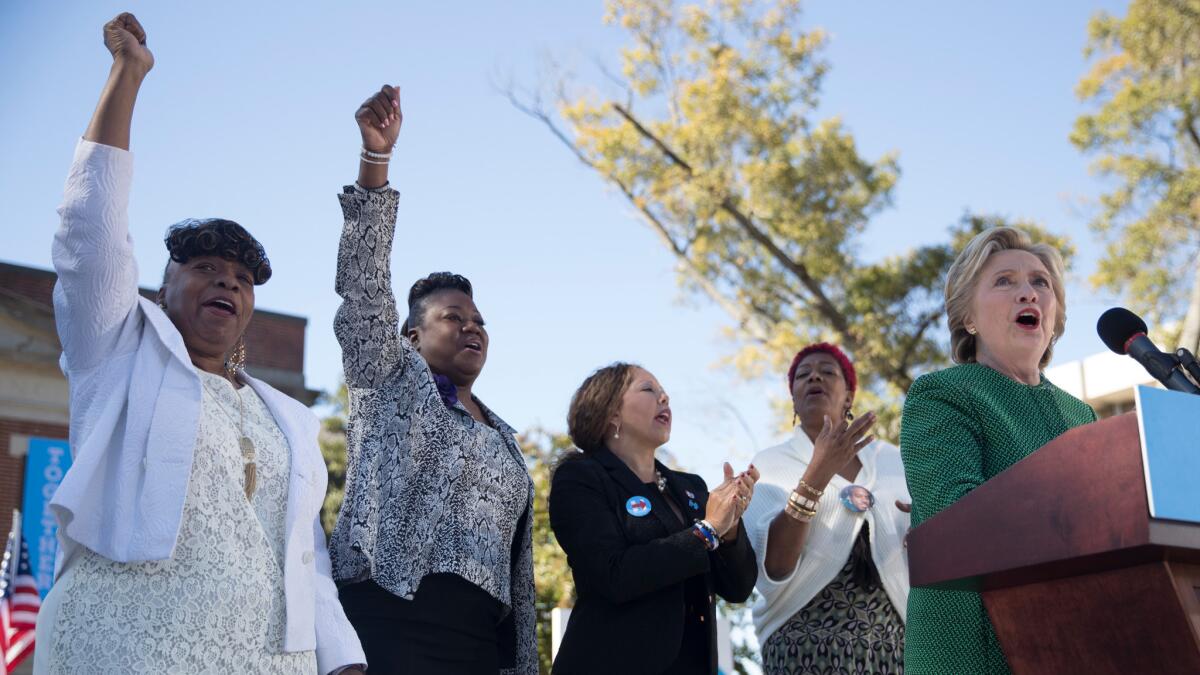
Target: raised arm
132	60
92	251
834	447
367	323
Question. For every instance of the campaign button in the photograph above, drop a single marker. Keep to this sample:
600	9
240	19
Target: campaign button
637	506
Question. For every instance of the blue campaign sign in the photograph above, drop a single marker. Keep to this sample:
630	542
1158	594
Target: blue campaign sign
1169	423
45	466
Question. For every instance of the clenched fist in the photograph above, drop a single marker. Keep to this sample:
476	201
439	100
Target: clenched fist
379	119
126	40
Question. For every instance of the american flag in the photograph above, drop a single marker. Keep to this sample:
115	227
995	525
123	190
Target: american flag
19	601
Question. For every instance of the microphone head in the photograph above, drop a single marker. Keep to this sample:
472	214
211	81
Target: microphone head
1117	325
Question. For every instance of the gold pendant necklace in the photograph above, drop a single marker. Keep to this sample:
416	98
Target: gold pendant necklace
245	444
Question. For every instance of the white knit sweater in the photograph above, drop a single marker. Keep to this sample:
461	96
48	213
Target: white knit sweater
832	533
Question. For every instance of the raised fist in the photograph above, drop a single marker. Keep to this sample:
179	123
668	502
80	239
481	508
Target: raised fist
126	39
379	119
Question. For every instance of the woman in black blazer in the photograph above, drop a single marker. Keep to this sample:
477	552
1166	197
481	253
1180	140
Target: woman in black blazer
648	546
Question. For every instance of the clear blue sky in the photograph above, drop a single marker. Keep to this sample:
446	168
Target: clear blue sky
248	115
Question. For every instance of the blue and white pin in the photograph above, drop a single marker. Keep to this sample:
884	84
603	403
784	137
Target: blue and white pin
637	506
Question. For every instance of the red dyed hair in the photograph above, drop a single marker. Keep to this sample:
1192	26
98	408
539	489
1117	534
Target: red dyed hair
837	354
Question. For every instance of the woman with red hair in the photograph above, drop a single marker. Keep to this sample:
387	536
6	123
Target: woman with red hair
827	525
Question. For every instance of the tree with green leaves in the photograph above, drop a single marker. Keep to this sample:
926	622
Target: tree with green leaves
1144	129
715	141
555	586
332	439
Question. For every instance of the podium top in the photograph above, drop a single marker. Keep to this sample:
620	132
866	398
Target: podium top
1169	431
1076	505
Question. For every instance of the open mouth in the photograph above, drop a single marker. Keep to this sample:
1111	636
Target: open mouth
663	417
814	391
474	346
1029	319
221	306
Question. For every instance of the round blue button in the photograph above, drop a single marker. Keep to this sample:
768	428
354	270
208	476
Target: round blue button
637	506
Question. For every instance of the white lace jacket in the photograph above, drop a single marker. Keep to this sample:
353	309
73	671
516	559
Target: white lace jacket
135	407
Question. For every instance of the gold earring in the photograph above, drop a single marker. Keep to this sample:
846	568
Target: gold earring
237	358
971	330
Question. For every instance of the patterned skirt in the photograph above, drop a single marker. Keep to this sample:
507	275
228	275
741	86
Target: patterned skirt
849	627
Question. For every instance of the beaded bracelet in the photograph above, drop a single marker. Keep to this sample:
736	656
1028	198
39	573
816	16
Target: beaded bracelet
705	529
376	155
805	487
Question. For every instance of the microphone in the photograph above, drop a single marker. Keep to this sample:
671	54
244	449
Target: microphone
1125	333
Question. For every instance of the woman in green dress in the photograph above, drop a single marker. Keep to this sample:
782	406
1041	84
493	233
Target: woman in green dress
1005	307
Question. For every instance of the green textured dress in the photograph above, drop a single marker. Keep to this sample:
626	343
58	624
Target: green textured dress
962	426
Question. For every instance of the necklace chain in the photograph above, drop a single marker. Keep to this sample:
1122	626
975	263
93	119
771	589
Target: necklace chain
250	467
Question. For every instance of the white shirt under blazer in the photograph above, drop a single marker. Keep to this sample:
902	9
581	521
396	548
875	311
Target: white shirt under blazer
832	532
134	410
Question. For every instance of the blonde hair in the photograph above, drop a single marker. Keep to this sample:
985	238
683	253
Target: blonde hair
964	275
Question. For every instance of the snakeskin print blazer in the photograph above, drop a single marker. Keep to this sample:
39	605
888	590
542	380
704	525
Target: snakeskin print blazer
427	488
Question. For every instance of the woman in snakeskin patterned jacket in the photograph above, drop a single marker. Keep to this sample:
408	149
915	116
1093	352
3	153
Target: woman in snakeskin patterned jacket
432	548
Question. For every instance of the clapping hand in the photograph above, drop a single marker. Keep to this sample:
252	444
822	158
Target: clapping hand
728	501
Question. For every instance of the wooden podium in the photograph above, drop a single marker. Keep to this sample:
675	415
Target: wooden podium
1076	575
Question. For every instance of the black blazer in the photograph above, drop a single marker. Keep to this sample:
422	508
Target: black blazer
630	571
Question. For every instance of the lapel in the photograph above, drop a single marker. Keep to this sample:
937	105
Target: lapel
167	332
632	487
300	430
507	433
685	496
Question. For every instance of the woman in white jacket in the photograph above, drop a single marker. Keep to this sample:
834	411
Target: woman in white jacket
827	524
189	518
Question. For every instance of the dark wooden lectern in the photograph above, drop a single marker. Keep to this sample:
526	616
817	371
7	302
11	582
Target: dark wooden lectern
1075	574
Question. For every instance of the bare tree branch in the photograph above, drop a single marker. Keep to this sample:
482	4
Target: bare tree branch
824	305
753	326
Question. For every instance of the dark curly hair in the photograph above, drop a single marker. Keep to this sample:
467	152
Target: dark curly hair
226	239
423	288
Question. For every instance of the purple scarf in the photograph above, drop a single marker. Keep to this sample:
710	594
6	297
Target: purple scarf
446	390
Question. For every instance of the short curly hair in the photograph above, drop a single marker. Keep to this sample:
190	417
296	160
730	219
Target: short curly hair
423	288
848	372
219	237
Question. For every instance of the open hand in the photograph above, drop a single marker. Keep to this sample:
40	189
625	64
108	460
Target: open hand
379	119
840	442
126	41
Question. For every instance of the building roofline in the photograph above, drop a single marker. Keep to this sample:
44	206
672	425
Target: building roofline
147	292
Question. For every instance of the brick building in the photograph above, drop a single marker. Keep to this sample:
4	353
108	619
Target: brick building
33	391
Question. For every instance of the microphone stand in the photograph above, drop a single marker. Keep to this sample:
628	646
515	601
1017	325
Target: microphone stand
1189	363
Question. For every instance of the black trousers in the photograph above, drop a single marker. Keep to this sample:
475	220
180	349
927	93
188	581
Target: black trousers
450	626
